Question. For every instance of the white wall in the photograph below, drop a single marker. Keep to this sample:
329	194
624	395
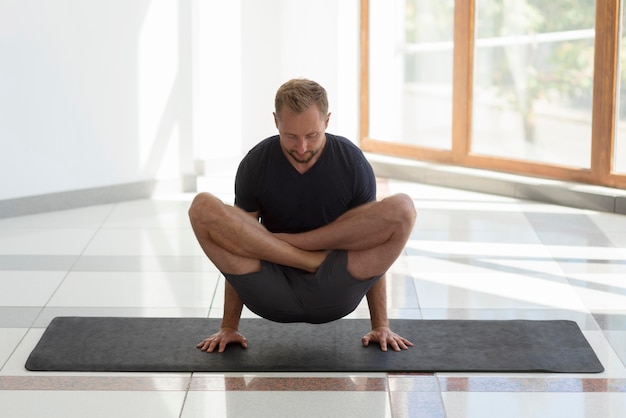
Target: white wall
92	93
278	40
106	92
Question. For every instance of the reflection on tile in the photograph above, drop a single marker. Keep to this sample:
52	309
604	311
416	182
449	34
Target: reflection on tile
439	245
596	266
615	320
418	382
95	383
531	384
478	264
491	291
534	405
263	404
417	405
574	224
401	292
416	395
298	384
143	263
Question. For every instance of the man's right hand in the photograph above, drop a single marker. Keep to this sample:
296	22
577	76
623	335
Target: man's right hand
221	339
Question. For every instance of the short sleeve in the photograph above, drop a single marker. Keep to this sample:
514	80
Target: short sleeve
245	197
364	183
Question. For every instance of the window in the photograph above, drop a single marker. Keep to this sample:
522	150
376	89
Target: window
533	80
418	101
619	152
497	84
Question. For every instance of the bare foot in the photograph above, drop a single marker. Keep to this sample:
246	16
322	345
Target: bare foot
316	258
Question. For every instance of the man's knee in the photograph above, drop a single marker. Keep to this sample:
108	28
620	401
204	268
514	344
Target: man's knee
402	210
202	208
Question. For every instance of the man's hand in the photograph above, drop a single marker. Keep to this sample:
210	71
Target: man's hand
386	337
221	339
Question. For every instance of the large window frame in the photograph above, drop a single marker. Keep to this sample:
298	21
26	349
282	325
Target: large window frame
603	111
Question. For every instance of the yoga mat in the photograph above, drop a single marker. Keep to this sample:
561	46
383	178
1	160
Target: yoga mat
105	344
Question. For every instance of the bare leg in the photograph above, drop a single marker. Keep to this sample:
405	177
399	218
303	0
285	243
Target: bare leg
374	234
236	242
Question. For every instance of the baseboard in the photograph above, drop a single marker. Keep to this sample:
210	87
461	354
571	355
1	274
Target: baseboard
582	196
95	196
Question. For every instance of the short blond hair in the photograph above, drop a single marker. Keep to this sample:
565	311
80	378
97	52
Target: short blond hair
299	94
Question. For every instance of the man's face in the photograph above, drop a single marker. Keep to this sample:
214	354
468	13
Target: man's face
302	135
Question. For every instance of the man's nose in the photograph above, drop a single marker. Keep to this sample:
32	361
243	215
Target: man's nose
301	146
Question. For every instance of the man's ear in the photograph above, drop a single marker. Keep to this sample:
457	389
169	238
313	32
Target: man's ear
327	119
275	119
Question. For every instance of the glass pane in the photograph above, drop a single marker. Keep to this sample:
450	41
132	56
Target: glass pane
411	54
533	80
619	150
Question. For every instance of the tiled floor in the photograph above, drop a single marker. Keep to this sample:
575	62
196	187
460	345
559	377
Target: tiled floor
471	256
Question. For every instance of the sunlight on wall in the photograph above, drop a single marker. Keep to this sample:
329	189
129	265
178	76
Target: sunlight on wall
158	62
217	80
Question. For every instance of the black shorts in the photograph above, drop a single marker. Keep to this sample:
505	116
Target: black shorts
285	294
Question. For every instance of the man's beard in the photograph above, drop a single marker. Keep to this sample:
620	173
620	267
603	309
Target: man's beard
308	156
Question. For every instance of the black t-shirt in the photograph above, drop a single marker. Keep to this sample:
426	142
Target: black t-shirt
288	201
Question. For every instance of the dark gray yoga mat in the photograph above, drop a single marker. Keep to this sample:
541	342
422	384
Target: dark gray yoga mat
97	344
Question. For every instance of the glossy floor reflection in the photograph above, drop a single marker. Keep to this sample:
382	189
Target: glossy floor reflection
471	256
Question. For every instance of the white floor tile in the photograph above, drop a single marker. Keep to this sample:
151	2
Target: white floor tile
471	256
144	241
489	291
609	222
136	289
9	339
28	288
487	264
149	214
617	340
442	246
534	405
600	292
264	404
54	241
92	216
79	404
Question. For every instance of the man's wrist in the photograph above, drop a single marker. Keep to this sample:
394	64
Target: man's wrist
230	327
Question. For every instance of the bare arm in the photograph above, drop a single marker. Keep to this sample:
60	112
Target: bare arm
381	333
377	303
233	306
229	330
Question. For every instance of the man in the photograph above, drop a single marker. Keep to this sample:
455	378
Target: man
306	239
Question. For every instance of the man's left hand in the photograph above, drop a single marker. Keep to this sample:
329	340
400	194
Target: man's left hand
386	337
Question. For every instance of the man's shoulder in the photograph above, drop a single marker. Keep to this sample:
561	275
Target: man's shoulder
265	144
263	150
342	146
341	140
